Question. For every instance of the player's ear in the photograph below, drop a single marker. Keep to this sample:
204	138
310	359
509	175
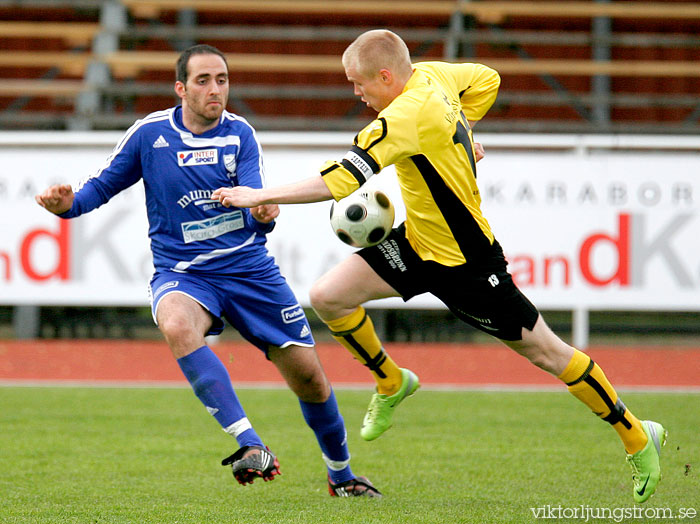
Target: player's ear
180	89
385	76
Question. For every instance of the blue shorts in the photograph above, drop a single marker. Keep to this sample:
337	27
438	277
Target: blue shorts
261	307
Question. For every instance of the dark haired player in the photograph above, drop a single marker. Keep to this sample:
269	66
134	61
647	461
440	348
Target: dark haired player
211	262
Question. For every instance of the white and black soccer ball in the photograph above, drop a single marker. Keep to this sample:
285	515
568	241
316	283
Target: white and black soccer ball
364	218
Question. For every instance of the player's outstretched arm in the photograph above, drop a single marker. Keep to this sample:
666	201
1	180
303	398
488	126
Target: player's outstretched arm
309	190
57	199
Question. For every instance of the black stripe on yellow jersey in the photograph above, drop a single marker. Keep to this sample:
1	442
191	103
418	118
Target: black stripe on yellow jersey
464	228
461	136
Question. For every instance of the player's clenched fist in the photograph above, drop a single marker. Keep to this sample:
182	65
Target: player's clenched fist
57	199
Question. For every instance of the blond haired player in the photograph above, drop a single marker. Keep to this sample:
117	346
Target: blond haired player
445	247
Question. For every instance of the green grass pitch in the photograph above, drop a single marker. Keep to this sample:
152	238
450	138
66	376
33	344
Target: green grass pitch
93	455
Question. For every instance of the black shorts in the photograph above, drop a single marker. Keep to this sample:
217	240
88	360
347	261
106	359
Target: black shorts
480	292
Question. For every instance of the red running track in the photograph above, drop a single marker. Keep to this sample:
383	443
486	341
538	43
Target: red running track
438	365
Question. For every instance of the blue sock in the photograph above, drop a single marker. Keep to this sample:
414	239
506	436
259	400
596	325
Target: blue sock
327	423
212	385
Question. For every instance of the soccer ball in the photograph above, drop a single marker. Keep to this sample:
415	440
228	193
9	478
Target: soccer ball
364	218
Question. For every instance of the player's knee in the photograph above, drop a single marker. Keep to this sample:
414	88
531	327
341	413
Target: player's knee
317	393
175	328
323	298
549	357
541	360
312	387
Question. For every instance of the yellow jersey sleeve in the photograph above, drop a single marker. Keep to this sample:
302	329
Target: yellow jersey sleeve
385	141
475	84
480	87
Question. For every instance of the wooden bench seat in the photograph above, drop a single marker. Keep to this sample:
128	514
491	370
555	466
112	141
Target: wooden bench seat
73	33
491	11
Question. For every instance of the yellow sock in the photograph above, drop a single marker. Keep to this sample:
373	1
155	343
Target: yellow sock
356	333
587	382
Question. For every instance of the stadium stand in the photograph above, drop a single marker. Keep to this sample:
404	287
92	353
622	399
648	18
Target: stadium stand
576	66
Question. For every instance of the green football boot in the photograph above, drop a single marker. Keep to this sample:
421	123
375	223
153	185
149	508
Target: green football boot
381	408
646	471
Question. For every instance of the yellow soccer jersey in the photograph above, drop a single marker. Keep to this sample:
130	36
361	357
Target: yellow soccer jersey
425	133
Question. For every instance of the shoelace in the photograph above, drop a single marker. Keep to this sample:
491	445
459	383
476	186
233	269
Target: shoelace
633	464
371	412
373	408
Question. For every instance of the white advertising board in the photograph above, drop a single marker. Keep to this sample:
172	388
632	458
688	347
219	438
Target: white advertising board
618	230
593	224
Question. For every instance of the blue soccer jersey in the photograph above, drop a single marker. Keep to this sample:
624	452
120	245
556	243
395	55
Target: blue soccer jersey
189	231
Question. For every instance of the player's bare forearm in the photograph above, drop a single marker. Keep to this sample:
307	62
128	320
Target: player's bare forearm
303	192
56	199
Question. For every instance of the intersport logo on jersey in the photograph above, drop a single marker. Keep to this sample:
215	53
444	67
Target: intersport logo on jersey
198	157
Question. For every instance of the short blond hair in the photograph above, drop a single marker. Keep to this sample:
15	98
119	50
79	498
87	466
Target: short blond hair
375	50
